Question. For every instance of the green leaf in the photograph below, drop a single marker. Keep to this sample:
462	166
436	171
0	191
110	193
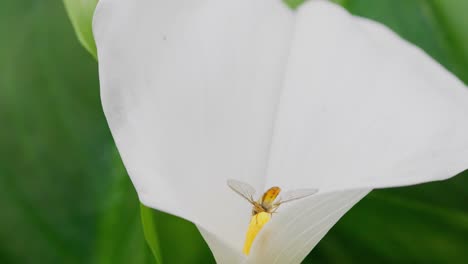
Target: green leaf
175	235
178	235
120	235
294	3
81	15
149	228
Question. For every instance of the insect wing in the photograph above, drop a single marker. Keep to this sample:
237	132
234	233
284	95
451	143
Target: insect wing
243	189
294	195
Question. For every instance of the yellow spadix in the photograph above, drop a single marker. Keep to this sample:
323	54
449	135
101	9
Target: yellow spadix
256	224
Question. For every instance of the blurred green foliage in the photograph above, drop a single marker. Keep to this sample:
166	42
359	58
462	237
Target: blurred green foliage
81	16
64	196
64	193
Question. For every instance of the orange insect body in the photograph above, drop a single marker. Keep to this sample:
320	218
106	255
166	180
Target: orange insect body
266	203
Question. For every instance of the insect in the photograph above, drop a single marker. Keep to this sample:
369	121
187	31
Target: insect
265	206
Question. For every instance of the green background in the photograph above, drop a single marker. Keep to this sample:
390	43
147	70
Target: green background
65	196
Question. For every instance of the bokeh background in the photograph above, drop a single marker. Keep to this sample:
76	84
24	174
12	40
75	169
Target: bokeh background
65	196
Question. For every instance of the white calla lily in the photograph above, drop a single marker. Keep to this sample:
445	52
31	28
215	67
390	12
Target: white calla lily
200	91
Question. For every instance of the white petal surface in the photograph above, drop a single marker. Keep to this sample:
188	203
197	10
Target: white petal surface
222	252
299	226
189	89
361	108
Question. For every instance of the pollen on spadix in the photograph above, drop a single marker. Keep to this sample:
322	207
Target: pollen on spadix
256	224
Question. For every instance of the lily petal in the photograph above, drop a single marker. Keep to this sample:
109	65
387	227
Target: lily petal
200	91
362	108
298	227
189	89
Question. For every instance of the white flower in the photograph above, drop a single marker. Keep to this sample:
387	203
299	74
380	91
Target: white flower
200	91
